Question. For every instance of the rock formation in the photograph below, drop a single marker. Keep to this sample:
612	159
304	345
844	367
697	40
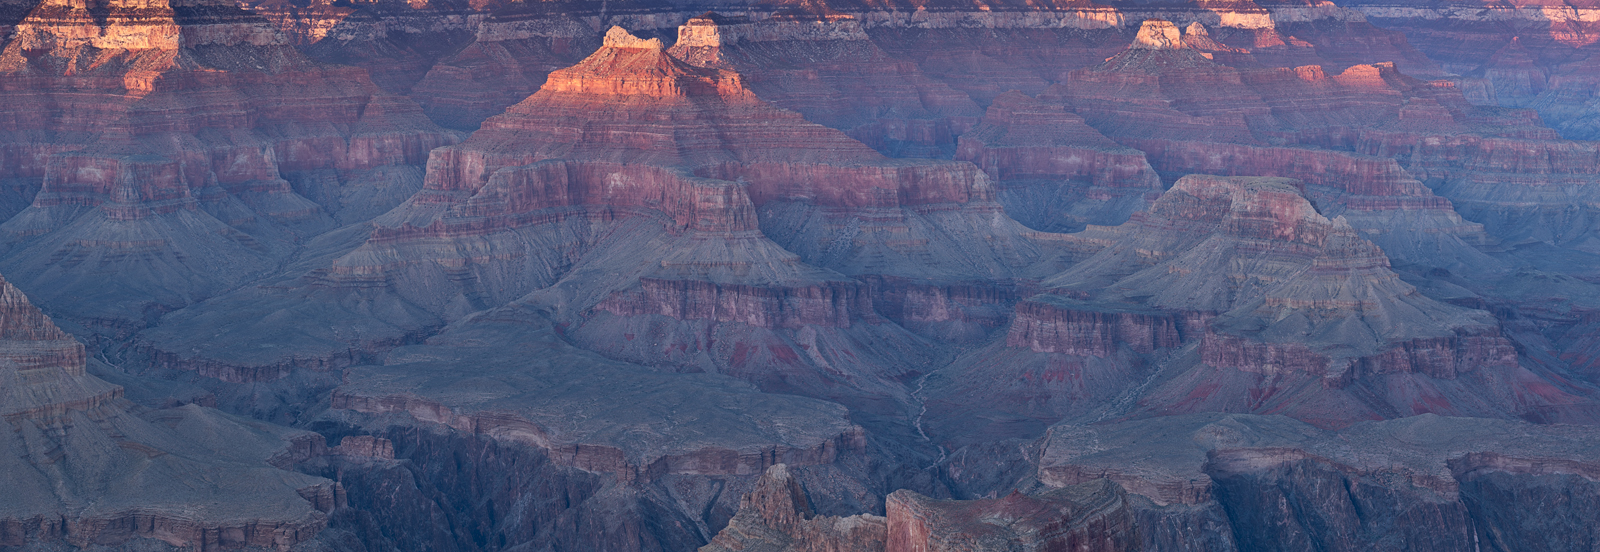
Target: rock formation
1053	172
755	279
1424	479
508	59
827	69
776	516
636	196
1191	114
1092	516
1180	105
1235	295
169	152
84	466
617	434
1515	54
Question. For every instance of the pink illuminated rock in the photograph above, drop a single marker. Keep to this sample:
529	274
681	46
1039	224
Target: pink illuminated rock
174	173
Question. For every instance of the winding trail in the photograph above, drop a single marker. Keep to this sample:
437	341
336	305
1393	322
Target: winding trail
1124	402
917	394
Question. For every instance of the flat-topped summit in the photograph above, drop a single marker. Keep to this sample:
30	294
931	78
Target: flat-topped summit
1158	34
713	30
1216	244
619	37
628	65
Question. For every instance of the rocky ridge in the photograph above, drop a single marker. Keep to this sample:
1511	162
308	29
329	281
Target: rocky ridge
178	150
829	70
1052	171
1235	295
84	466
708	173
513	356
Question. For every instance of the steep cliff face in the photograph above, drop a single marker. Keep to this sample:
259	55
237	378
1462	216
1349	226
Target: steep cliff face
1052	171
827	69
776	516
634	196
84	466
1377	485
395	41
1235	295
171	150
659	458
1093	516
1225	482
1192	113
1181	103
1513	54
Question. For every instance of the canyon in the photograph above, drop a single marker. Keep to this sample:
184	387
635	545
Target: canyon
819	276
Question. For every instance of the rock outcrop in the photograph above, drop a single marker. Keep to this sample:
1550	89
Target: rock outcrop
827	69
508	59
1514	54
168	153
1235	295
695	423
1093	516
1192	114
1052	171
1191	111
776	516
634	195
1279	483
658	458
84	466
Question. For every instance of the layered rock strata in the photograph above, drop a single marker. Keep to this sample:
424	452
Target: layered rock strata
83	466
1192	111
697	424
1225	482
777	516
1053	172
1427	479
169	152
634	196
659	458
509	57
1093	516
1514	54
1192	114
1234	294
827	69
